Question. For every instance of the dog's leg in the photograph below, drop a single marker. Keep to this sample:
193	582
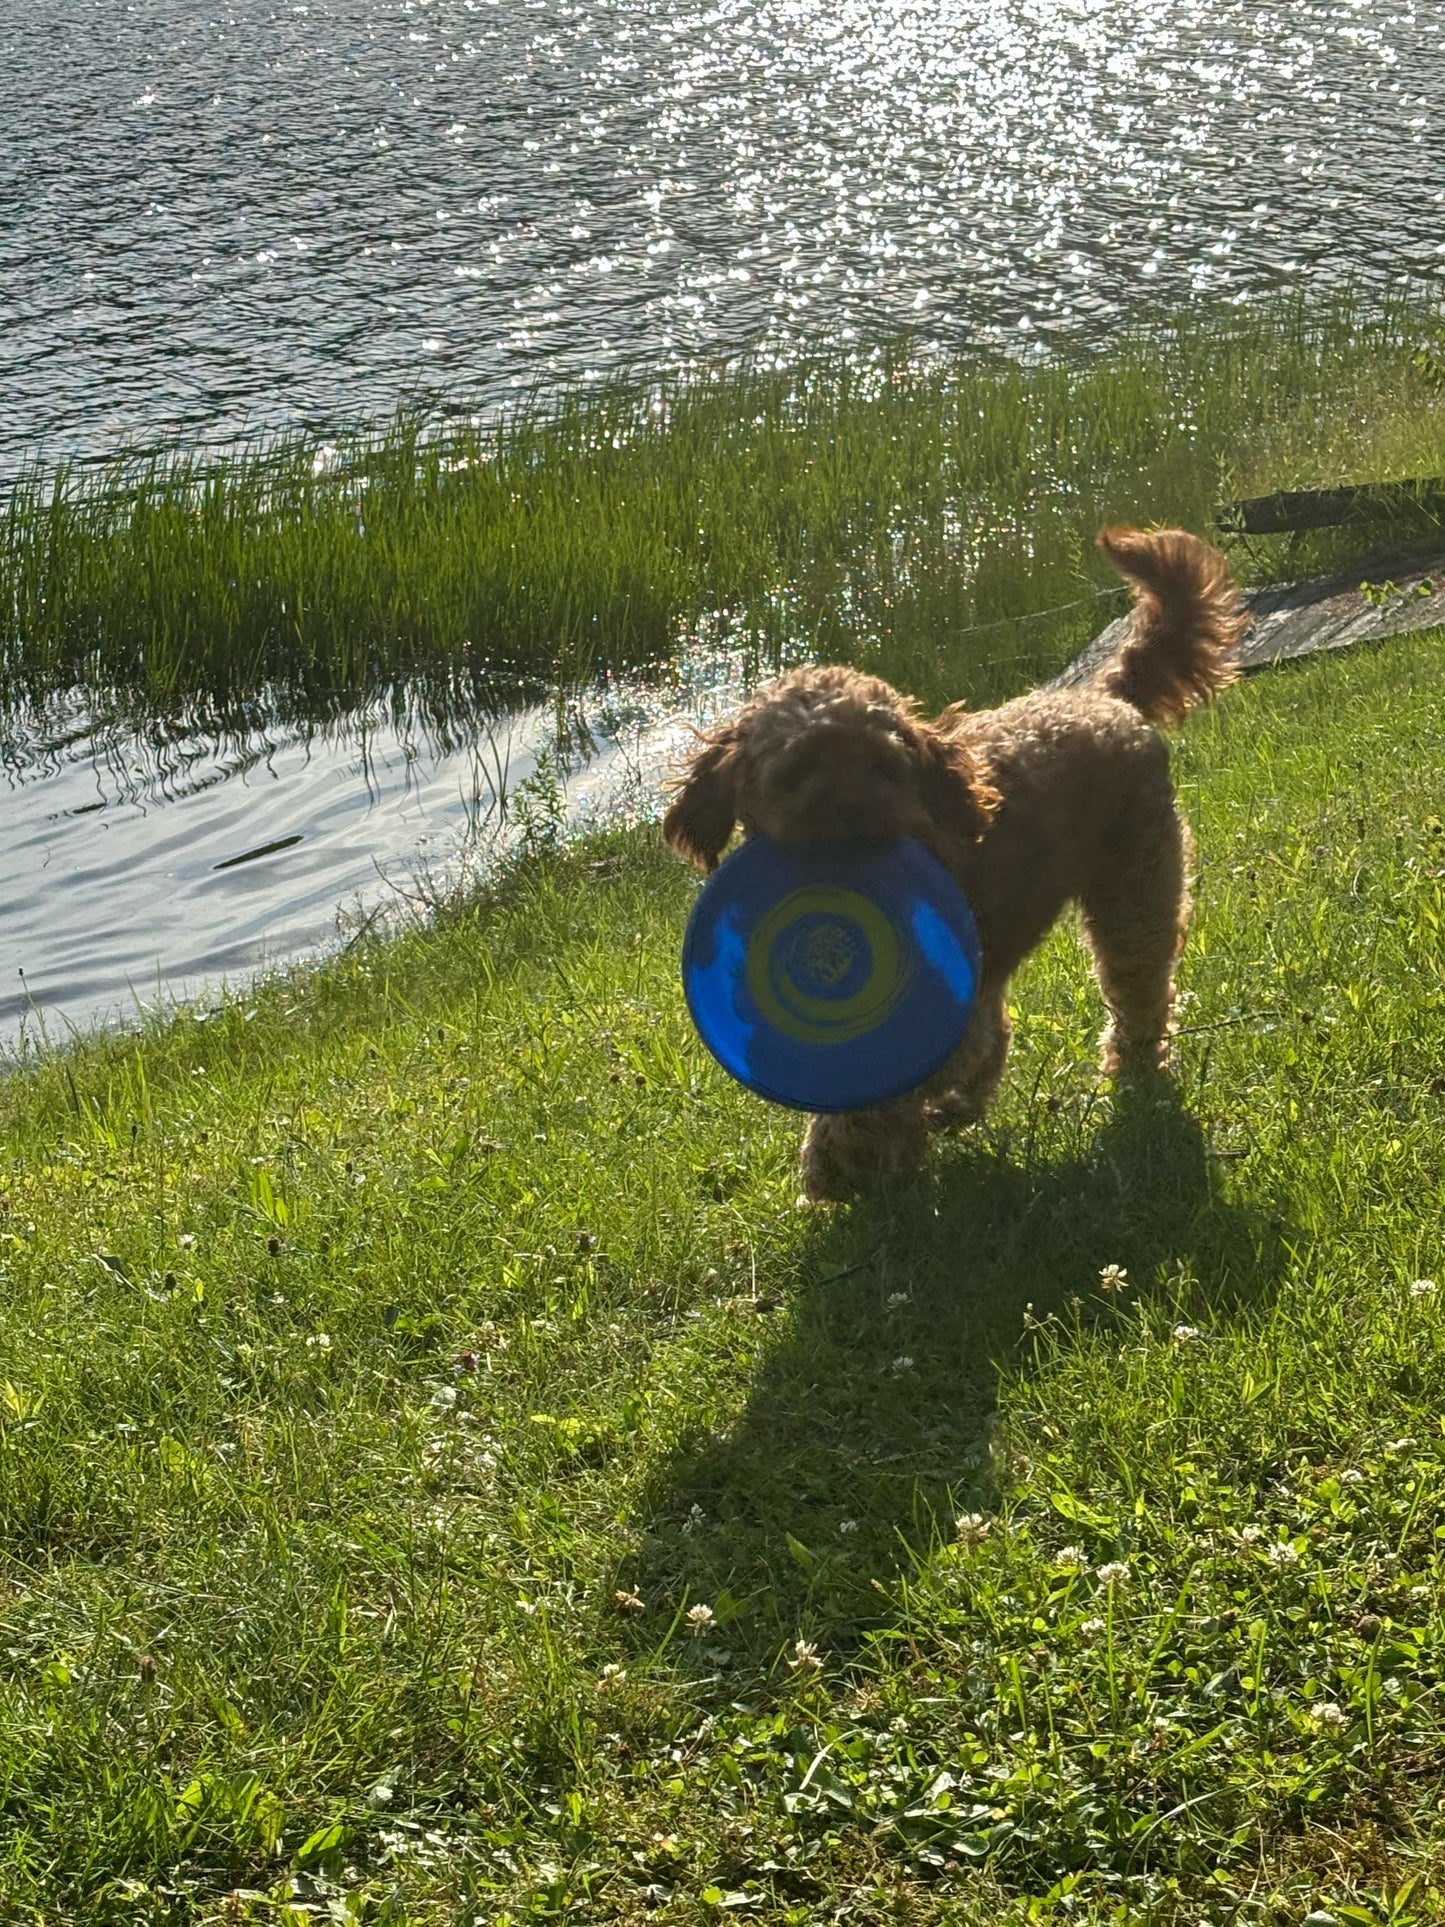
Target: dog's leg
1136	910
847	1152
967	1082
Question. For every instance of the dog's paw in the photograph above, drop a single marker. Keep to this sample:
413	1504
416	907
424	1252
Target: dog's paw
851	1151
828	1178
952	1110
1121	1056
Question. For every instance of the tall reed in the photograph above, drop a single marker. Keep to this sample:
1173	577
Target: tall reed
901	511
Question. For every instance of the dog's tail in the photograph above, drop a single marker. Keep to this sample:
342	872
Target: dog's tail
1187	622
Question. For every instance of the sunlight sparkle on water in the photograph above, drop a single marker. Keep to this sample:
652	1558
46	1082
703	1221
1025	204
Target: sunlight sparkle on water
560	188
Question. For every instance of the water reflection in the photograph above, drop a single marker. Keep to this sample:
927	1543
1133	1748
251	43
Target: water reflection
217	219
145	864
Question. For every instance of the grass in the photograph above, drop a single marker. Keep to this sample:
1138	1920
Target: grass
911	514
445	1476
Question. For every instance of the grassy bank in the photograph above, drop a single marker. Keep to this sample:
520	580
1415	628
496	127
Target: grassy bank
446	1477
909	511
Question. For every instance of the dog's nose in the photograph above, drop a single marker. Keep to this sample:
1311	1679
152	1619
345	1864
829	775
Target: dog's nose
866	820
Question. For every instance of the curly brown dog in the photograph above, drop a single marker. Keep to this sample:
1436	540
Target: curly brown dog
1061	796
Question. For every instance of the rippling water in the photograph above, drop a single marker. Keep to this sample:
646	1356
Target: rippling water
145	865
221	215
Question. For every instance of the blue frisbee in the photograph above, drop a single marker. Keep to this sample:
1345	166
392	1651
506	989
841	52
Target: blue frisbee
830	976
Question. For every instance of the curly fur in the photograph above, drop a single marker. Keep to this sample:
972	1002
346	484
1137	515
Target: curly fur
1059	797
1187	623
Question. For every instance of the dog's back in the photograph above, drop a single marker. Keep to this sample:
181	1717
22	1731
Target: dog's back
1082	773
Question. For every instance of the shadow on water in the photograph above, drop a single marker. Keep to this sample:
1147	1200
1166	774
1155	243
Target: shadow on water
868	1425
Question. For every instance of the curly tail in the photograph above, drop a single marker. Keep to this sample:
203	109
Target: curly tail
1187	623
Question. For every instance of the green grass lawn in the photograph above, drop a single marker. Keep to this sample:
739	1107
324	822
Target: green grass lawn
447	1476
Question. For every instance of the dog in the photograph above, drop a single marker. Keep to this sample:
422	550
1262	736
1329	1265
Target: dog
1062	796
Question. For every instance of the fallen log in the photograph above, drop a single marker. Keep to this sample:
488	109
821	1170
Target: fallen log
1289	619
1289	510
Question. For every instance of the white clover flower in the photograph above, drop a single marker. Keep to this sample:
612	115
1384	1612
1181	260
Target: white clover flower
845	1526
611	1674
1282	1553
903	1363
699	1619
805	1658
1251	1535
1186	1334
972	1529
1091	1625
1327	1713
897	1298
319	1342
1352	1475
1114	1573
1113	1278
1423	1288
1071	1558
186	1240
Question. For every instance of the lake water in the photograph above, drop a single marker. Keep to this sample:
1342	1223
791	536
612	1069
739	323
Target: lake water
222	214
227	216
141	866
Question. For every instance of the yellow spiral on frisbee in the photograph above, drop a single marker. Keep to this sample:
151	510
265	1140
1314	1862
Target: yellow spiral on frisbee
825	965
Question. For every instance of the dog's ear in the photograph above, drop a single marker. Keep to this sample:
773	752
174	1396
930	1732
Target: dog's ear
704	809
954	783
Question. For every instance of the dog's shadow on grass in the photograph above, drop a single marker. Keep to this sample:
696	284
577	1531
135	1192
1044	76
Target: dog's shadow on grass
868	1424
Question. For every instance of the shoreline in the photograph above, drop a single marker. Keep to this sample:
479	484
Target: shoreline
932	523
835	508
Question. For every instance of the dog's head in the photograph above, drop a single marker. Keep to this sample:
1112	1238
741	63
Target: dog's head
830	753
